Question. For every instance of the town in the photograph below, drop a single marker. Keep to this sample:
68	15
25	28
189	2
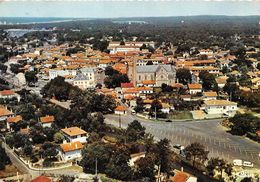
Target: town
129	109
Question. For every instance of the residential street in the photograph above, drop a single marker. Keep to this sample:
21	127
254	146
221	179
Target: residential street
208	132
34	173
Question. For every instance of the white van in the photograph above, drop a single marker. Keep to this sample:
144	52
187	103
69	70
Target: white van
248	164
237	162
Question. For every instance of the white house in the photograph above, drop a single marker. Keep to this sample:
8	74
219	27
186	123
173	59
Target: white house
121	110
194	88
8	94
11	121
222	107
209	95
74	134
70	151
123	48
47	121
5	113
205	52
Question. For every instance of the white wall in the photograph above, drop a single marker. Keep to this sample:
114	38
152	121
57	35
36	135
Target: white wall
70	155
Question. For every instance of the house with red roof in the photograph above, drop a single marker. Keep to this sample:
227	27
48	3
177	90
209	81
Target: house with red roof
47	121
180	176
12	121
121	110
70	151
8	94
41	179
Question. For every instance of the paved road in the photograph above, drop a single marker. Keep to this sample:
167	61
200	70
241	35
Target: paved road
208	132
34	173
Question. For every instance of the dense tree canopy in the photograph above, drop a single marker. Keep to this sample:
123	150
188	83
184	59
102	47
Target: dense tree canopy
183	76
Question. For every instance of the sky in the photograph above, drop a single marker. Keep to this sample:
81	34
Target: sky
126	8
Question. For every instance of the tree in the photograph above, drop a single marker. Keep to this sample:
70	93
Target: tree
4	159
164	156
145	167
183	76
59	89
3	68
135	131
196	152
208	81
109	71
96	151
49	150
166	88
244	123
116	80
15	68
31	77
220	165
58	137
139	108
156	106
118	167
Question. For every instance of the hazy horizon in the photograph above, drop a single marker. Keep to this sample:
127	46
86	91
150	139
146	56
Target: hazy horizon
126	9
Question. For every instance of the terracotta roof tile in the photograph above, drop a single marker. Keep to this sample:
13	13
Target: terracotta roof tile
210	94
47	119
148	82
120	108
195	86
4	111
14	119
66	147
73	131
41	179
7	92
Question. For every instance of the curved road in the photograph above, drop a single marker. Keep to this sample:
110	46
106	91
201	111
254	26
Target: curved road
207	132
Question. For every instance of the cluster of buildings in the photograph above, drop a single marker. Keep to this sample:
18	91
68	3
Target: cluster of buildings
145	70
74	137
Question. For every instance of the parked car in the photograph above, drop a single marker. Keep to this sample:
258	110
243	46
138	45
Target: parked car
237	162
248	164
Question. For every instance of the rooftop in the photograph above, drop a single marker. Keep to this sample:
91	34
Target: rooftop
47	119
73	131
4	111
66	147
120	108
219	103
14	119
7	92
195	86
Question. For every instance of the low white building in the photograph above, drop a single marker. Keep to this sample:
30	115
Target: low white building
74	134
194	88
220	107
47	121
9	94
5	113
210	95
123	48
70	151
121	110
